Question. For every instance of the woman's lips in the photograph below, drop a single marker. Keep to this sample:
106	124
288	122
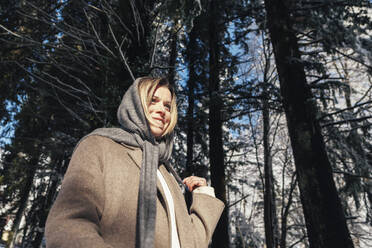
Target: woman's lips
159	120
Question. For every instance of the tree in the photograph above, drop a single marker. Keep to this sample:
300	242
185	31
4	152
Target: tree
271	221
191	56
66	65
325	220
216	152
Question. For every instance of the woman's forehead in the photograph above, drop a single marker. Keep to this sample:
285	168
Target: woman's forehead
163	92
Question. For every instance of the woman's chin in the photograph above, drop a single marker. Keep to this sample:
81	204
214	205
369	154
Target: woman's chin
157	131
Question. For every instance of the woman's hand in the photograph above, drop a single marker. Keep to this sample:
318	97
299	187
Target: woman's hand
193	182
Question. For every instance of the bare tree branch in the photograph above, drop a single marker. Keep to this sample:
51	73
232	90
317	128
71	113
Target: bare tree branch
121	52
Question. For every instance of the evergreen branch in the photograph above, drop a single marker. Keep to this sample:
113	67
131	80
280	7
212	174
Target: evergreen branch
49	83
352	58
351	174
298	241
342	110
365	95
346	121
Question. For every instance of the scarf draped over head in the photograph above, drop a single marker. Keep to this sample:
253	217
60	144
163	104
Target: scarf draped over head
135	131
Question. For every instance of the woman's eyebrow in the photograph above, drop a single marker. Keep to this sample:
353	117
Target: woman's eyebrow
158	98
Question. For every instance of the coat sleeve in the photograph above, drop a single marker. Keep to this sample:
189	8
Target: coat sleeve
74	218
205	211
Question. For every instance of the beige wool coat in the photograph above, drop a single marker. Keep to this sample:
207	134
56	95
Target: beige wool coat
97	204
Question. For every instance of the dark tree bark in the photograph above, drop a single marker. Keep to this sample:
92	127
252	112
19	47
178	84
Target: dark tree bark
173	53
216	153
325	220
30	174
52	189
191	101
285	213
270	218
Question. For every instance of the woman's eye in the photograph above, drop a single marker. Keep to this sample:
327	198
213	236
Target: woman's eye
167	107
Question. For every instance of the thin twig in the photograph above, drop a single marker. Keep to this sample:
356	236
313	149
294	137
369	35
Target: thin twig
352	58
71	112
236	202
97	36
49	83
154	49
121	53
11	32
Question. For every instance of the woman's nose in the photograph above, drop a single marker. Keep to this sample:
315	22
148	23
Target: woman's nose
161	109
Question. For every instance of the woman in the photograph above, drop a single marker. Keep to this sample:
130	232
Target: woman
118	190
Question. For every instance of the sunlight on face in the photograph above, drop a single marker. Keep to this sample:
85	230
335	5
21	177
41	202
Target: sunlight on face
159	110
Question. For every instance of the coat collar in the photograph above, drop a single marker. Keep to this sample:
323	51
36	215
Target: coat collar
135	153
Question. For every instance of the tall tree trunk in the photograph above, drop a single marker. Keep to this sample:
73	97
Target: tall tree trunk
216	153
325	220
191	101
270	218
30	174
285	213
173	53
52	189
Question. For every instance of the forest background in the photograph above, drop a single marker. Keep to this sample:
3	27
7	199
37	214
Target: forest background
274	107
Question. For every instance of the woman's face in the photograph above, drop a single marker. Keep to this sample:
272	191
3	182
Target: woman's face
159	110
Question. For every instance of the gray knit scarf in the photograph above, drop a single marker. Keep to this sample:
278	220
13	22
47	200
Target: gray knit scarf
135	131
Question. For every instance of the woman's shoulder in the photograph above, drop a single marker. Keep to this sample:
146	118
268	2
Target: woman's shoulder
95	141
106	150
98	143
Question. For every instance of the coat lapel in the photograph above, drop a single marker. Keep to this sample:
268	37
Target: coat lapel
136	155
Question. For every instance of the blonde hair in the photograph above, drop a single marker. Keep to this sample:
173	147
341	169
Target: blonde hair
146	89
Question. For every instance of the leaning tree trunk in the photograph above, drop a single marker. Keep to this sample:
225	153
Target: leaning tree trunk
216	153
325	220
